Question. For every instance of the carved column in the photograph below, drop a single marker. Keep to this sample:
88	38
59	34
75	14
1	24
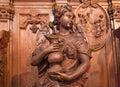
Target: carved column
6	25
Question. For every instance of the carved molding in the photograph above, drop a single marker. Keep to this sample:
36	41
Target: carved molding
35	22
6	12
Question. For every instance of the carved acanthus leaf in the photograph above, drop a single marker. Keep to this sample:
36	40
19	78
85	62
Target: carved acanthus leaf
89	3
34	21
7	12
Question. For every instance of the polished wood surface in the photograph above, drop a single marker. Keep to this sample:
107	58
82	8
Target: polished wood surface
22	43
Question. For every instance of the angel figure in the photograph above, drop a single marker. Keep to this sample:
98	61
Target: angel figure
65	60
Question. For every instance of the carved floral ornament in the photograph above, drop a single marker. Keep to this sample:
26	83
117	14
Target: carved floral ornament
6	12
35	21
95	22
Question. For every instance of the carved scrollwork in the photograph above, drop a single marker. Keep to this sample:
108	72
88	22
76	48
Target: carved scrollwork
35	21
95	22
6	12
117	13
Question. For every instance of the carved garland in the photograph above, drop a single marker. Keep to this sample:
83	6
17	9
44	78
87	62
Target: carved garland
34	21
6	12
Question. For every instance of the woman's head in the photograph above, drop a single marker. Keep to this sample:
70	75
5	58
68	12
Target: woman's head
59	11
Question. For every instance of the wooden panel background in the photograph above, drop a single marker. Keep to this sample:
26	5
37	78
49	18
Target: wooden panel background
24	44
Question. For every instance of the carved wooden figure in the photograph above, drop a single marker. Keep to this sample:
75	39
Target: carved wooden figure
63	56
4	39
66	59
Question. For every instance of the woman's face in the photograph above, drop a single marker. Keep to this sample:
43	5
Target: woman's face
66	20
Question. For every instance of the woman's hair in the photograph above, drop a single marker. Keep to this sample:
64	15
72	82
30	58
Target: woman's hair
59	10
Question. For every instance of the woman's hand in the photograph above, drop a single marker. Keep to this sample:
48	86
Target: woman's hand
52	48
61	76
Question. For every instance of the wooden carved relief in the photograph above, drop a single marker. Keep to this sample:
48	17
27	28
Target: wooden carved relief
117	13
6	12
4	39
35	21
29	23
93	18
117	32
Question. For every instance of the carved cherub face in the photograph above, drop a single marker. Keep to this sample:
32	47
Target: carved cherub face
66	20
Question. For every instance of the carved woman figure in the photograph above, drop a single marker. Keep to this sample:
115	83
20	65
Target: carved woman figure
65	61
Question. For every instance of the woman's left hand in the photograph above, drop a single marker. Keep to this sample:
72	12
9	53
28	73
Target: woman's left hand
62	76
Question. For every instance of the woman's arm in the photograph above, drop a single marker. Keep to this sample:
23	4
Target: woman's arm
36	59
83	67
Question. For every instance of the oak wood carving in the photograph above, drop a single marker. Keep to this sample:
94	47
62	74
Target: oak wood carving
4	39
63	55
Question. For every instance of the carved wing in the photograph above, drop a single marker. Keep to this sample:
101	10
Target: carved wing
95	22
43	31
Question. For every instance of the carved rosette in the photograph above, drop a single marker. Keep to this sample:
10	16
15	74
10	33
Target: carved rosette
6	12
95	22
